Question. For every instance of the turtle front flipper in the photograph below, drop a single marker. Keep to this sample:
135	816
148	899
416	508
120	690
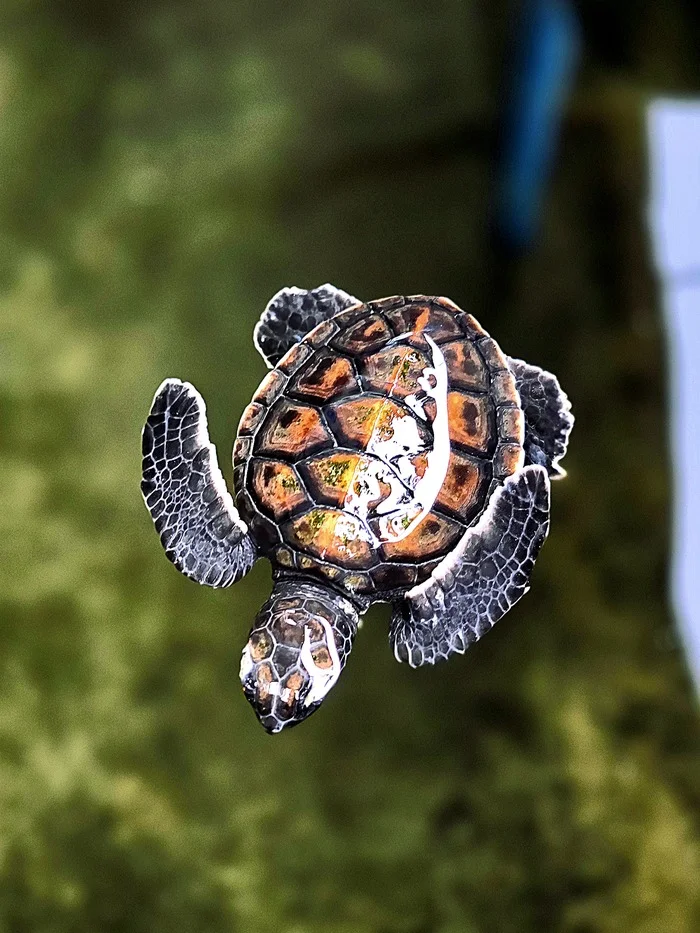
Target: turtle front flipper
548	418
478	582
292	313
194	514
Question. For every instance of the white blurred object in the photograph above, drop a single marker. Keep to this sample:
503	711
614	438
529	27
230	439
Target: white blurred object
674	216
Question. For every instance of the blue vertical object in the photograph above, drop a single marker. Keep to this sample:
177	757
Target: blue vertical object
673	133
547	49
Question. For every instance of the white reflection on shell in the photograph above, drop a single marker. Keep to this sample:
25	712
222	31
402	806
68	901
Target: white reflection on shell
411	497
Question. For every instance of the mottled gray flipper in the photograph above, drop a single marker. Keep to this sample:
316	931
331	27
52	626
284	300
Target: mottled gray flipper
481	579
548	418
292	313
194	514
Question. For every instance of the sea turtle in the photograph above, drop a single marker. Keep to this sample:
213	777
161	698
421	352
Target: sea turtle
393	453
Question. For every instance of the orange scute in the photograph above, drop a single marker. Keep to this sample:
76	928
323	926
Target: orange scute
293	428
468	420
277	487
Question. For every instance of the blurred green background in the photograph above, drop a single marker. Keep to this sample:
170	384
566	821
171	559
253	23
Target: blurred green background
164	169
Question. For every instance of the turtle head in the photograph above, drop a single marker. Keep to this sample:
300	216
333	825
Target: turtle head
296	650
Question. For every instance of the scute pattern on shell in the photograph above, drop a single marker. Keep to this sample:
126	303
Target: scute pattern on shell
352	386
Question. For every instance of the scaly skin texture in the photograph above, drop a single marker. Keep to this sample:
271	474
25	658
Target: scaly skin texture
184	491
291	314
296	651
547	415
486	574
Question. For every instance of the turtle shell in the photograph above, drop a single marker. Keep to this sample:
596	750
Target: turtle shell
376	442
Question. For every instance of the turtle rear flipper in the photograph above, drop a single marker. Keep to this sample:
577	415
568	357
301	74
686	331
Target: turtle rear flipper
479	581
292	313
194	514
548	418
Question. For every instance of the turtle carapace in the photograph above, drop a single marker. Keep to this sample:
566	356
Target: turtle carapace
393	453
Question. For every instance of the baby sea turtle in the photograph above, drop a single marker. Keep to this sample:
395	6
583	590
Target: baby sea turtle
393	453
